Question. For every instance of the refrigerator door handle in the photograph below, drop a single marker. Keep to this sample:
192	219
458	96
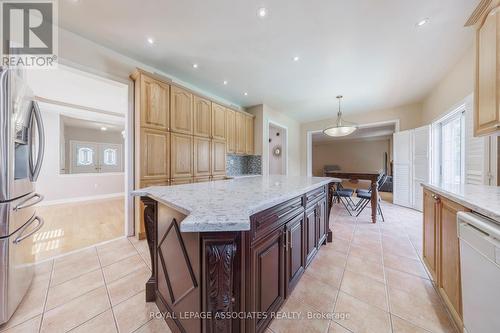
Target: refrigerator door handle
35	169
28	203
22	237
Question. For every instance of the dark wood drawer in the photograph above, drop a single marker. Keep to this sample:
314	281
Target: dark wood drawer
314	196
266	221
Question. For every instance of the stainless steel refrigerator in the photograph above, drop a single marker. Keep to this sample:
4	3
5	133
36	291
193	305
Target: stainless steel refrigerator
21	155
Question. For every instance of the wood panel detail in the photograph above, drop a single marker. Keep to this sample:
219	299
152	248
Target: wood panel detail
249	135
202	157
150	220
218	122
202	117
220	299
218	157
155	157
182	156
231	131
154	103
181	110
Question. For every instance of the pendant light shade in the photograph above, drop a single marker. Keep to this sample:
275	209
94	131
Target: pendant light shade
341	128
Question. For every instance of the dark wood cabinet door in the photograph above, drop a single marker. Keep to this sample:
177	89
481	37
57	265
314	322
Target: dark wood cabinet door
321	212
311	229
295	258
268	277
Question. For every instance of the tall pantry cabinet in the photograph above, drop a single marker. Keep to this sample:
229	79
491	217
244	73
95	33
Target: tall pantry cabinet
181	137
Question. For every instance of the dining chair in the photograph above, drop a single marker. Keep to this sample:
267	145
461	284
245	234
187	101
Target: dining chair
366	197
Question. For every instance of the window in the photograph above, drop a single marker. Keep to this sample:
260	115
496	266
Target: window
450	148
110	156
85	156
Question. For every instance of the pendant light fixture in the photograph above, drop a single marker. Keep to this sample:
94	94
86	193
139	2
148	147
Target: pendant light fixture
342	128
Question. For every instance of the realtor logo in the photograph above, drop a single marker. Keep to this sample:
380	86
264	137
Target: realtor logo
29	33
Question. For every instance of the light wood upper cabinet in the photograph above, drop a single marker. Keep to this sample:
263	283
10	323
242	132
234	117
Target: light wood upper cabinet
202	117
231	131
181	150
154	103
155	157
202	152
181	109
249	135
240	126
449	283
431	202
486	19
218	157
218	122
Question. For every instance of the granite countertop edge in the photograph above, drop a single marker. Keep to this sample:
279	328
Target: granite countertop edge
478	204
242	223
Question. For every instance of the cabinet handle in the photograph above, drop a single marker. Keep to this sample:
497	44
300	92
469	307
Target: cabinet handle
285	242
291	241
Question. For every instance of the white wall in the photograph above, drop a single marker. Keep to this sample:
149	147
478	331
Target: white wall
264	115
276	162
56	187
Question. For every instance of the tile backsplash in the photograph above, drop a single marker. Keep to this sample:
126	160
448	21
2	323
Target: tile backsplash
237	165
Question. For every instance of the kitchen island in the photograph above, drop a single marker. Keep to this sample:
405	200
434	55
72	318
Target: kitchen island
225	255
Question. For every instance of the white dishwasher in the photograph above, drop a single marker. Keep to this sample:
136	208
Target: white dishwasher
480	267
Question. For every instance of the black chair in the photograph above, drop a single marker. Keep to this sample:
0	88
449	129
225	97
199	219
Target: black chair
366	197
344	196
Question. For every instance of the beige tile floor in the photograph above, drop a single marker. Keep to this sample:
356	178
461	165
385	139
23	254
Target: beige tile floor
370	279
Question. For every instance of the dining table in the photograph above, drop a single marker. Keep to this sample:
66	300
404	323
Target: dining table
372	176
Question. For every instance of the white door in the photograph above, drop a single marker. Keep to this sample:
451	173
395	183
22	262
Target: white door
84	157
421	164
110	157
402	169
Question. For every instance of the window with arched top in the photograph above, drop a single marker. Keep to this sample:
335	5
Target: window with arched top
110	156
85	156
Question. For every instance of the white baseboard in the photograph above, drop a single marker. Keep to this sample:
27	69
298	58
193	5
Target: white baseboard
81	199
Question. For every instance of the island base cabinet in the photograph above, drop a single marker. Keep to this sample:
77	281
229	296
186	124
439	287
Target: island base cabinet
441	250
267	280
217	273
295	256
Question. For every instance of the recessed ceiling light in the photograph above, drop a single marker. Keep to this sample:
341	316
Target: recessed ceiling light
151	40
262	12
246	94
225	82
296	58
104	128
423	22
195	65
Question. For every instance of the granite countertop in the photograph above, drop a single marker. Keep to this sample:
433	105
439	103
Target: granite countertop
482	199
227	205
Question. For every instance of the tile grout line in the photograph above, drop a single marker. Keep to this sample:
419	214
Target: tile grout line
47	295
386	285
107	291
343	271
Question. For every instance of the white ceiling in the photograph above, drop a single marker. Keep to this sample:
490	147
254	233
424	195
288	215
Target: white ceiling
369	51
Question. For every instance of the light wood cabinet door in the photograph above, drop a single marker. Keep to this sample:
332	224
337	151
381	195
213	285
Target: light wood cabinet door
182	156
487	118
154	103
202	165
431	207
218	157
231	131
218	122
202	117
240	133
202	179
154	155
449	283
249	135
181	109
181	181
